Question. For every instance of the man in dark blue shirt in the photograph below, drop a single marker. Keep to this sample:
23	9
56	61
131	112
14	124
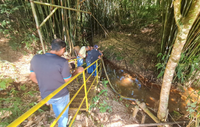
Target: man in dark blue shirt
50	71
88	60
95	54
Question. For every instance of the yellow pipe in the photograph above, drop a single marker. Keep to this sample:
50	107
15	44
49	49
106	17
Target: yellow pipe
91	86
56	120
85	90
97	70
41	103
36	107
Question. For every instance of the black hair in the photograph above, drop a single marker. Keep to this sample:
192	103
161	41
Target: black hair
57	44
72	65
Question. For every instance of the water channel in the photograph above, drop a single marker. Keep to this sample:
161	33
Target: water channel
127	84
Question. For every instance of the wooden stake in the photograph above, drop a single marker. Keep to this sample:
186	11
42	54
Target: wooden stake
136	109
146	110
143	118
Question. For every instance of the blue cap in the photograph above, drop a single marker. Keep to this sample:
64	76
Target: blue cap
96	46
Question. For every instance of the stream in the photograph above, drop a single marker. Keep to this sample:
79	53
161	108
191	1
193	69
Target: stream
129	85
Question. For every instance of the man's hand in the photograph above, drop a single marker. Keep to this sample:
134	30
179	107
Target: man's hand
33	77
78	70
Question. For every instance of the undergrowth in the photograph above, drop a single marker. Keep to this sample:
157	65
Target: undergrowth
102	105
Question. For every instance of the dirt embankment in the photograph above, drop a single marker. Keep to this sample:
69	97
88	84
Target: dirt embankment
134	50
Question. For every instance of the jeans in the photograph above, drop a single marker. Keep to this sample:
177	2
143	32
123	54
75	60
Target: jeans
58	105
93	68
79	61
89	70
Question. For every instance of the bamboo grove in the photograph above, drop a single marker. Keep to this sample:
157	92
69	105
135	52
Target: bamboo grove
188	67
73	25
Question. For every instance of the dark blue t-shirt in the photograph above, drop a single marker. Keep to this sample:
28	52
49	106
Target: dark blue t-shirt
88	58
94	55
50	70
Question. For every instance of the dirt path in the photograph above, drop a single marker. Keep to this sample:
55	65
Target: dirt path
108	111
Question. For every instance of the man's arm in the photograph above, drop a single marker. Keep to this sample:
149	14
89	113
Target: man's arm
80	55
101	52
33	77
78	70
66	80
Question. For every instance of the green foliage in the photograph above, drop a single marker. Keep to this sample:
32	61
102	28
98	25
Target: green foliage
28	40
102	91
103	107
132	61
23	87
194	113
31	93
119	58
186	68
4	83
95	100
17	24
139	12
176	115
161	66
105	82
17	109
127	105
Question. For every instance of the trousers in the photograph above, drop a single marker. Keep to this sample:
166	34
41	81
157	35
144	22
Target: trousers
58	105
79	61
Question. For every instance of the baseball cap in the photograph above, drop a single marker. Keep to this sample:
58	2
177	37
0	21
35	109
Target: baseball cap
96	46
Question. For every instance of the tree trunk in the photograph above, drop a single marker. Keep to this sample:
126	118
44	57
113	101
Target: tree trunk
184	25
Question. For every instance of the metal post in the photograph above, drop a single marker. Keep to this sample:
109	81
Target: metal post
37	25
76	63
86	99
97	70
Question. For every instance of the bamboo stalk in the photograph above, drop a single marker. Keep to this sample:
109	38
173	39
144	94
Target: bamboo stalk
63	25
100	25
70	28
44	21
48	4
45	30
51	21
37	25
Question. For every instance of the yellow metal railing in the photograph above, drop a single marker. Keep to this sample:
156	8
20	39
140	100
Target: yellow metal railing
45	100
